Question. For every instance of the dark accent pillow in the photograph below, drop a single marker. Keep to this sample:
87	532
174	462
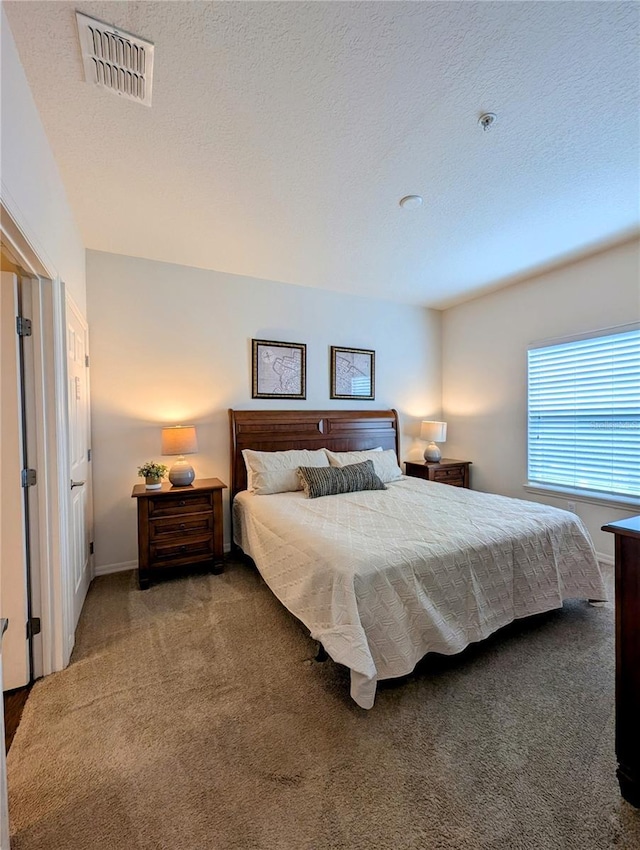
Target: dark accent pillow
331	480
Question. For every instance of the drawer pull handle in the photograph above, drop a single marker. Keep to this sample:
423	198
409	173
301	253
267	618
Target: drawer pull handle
182	503
183	548
182	525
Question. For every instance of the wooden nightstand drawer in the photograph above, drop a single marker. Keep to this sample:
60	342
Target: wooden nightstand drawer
450	475
451	480
180	526
446	471
175	552
179	504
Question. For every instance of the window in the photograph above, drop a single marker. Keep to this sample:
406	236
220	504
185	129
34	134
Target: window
584	413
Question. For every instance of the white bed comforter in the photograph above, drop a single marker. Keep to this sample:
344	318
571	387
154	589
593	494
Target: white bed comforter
383	577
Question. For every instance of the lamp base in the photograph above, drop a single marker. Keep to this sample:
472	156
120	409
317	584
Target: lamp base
181	473
432	454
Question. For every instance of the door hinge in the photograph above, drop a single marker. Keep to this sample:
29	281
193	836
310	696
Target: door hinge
86	360
33	627
28	477
91	548
23	326
89	455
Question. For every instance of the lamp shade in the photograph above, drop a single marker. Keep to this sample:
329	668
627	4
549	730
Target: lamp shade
434	432
179	440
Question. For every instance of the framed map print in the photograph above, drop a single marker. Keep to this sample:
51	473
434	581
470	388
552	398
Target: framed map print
278	369
353	373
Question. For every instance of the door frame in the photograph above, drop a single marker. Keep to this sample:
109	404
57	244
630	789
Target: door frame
15	587
51	545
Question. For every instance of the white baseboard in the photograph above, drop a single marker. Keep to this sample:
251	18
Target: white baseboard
605	560
107	569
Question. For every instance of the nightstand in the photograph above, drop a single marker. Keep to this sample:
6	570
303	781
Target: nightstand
445	471
627	593
179	526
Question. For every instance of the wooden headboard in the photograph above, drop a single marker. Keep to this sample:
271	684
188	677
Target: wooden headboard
278	430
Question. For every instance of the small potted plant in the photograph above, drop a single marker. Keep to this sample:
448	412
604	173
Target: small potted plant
153	473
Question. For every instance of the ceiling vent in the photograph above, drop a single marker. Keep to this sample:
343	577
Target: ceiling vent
116	60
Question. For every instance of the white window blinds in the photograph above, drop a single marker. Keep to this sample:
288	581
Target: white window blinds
584	413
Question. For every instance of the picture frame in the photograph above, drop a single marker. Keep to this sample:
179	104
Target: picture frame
278	369
353	373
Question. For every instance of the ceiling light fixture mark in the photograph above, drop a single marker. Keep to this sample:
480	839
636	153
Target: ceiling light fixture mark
486	120
411	202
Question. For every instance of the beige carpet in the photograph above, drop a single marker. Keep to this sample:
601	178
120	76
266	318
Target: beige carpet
194	718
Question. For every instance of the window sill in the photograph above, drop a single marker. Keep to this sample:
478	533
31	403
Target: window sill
623	502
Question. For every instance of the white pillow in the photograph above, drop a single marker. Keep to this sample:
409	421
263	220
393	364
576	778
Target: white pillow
385	463
275	472
346	458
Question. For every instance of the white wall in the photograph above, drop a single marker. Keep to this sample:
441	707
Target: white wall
171	344
40	223
485	366
32	189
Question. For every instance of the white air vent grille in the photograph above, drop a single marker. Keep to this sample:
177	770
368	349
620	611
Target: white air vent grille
116	60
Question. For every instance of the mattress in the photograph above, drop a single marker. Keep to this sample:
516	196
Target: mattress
381	578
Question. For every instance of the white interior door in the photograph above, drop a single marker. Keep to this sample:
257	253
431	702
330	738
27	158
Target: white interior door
81	519
13	572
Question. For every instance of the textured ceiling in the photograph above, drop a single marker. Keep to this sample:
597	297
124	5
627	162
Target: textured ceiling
283	134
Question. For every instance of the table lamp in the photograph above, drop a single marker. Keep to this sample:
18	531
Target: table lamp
180	440
433	432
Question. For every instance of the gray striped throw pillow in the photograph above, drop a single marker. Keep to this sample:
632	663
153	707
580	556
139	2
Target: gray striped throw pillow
331	480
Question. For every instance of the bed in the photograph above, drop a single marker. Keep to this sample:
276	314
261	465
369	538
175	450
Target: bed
380	578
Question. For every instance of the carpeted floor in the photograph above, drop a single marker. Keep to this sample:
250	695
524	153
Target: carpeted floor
194	718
